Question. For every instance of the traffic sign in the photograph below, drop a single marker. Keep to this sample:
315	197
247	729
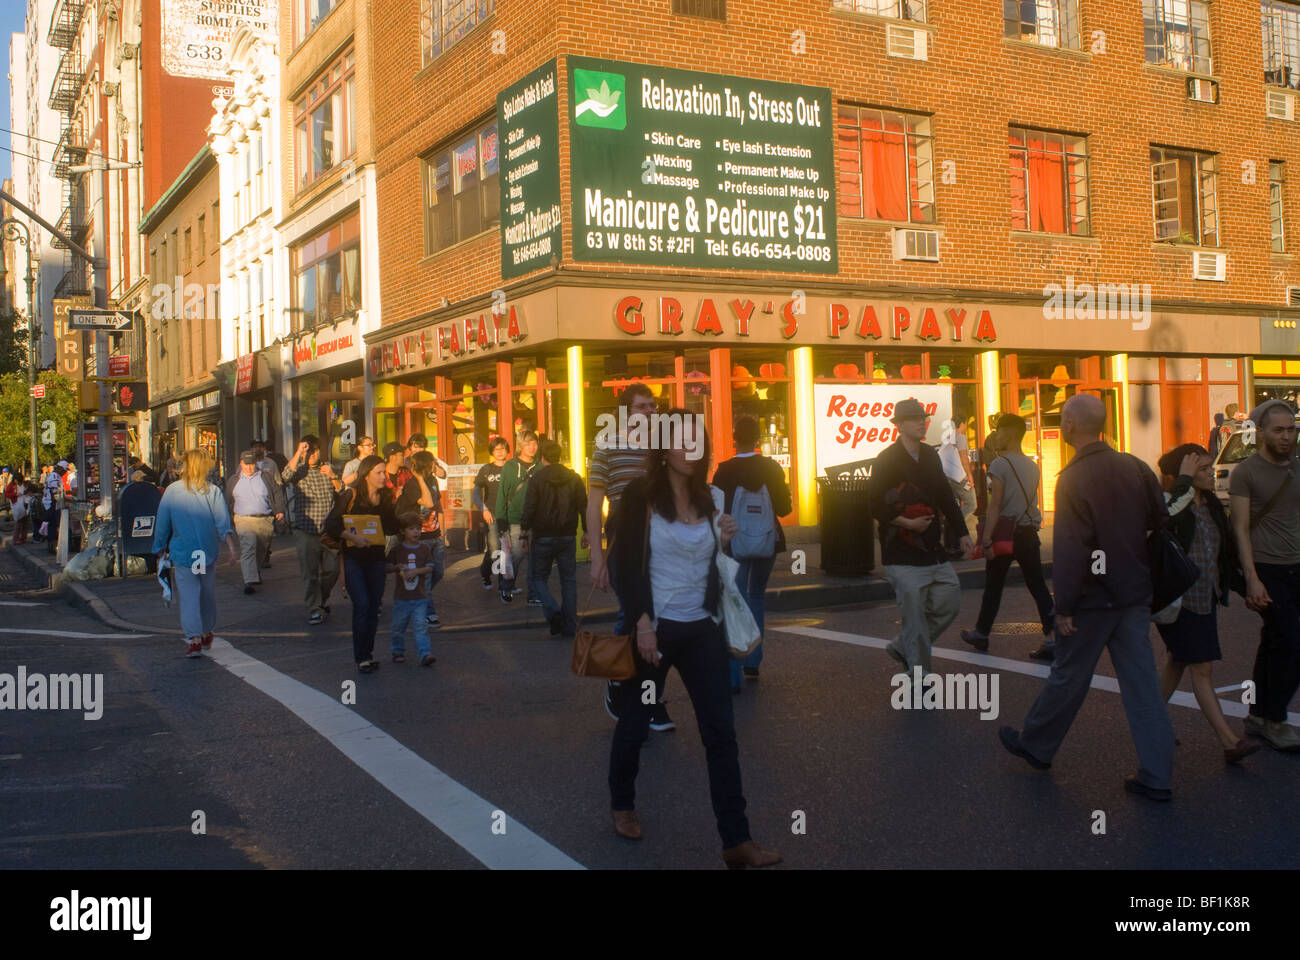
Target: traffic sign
38	391
110	320
119	366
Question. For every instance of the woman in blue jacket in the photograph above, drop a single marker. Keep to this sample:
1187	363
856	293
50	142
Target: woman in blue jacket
192	522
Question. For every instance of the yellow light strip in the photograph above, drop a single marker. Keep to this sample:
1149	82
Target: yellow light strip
577	412
1119	373
991	395
805	436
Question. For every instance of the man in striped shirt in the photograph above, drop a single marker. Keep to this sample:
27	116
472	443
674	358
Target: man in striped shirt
314	489
610	471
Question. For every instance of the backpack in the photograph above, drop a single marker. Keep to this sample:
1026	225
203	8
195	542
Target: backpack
755	537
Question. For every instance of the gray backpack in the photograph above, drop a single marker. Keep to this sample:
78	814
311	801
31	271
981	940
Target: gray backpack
755	537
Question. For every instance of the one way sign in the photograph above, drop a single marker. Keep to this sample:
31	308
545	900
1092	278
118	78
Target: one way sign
112	320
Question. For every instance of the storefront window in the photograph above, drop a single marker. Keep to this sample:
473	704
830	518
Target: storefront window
698	388
304	407
557	403
897	365
474	415
760	388
843	365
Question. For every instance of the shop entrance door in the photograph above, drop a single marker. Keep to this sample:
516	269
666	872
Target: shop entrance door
334	412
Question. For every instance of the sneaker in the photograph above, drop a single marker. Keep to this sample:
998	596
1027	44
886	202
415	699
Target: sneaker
534	602
516	591
248	588
1046	652
611	691
1278	735
316	617
428	660
659	719
1133	785
487	584
367	666
195	650
507	597
207	641
432	620
750	673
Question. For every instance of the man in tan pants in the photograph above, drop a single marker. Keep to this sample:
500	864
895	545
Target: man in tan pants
257	503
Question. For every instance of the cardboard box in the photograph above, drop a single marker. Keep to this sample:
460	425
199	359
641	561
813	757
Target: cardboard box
365	525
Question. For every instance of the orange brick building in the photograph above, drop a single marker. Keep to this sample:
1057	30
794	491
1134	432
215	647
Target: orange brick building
992	178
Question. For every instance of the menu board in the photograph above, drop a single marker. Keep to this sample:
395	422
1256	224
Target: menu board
680	168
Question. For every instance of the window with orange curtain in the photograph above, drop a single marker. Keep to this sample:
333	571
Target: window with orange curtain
886	164
1049	182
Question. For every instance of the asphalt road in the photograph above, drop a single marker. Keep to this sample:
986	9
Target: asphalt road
501	735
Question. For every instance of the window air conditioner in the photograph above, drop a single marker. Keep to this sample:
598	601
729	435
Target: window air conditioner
907	42
916	244
1279	105
1209	266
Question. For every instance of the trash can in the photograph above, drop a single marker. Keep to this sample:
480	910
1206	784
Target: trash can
847	532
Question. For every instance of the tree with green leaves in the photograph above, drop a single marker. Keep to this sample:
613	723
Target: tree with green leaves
57	417
13	342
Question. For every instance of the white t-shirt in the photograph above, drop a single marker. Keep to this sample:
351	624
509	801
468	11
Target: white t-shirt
679	568
948	455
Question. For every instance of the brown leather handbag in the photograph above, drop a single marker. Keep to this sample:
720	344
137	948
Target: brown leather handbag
607	656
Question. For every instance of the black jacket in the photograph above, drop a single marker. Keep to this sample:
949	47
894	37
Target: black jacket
630	560
897	482
1182	520
1106	501
554	503
752	473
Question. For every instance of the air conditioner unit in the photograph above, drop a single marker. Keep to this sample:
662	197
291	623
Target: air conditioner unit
907	42
1293	296
1209	266
1206	91
1279	104
916	244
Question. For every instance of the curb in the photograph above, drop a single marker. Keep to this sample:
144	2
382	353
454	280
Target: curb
873	590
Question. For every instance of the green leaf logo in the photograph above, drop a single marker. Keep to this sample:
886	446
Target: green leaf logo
604	105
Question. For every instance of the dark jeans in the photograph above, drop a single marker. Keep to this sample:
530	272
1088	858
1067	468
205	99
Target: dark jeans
751	579
1026	553
562	551
365	581
700	656
1277	662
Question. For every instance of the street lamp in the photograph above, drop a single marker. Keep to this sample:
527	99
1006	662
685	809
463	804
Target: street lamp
15	230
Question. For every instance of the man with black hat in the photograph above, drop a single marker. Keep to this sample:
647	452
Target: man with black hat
1265	508
256	502
909	492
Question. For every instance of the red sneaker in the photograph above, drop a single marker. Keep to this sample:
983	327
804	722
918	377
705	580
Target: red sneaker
207	641
195	649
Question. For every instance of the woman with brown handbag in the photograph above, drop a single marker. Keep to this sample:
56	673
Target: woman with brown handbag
368	504
665	565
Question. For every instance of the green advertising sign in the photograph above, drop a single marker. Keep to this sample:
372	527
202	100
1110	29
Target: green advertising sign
528	128
680	168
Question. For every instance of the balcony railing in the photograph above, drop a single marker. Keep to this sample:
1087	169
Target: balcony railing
66	89
68	152
65	22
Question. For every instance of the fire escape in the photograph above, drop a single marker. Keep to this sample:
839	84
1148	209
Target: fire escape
65	93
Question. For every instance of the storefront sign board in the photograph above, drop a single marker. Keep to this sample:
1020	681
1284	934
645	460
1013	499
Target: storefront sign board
448	340
681	168
852	421
528	134
326	347
198	35
245	373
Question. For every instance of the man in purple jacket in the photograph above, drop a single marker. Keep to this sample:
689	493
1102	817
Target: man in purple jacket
1106	503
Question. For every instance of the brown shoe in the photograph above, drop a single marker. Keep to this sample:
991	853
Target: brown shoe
748	854
1243	749
626	824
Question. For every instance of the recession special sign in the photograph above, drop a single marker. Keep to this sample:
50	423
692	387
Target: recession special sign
679	168
853	421
528	129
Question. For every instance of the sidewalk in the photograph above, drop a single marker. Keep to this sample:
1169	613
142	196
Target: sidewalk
463	605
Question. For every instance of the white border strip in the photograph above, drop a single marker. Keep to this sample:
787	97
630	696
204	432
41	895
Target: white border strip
457	811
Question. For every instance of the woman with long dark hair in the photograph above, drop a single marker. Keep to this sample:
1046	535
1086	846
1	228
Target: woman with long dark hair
369	504
1200	523
666	573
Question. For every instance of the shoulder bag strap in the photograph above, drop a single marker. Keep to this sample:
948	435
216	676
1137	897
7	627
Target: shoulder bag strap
1272	501
1016	473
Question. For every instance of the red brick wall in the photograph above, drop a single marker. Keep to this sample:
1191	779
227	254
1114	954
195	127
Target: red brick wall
175	112
975	85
